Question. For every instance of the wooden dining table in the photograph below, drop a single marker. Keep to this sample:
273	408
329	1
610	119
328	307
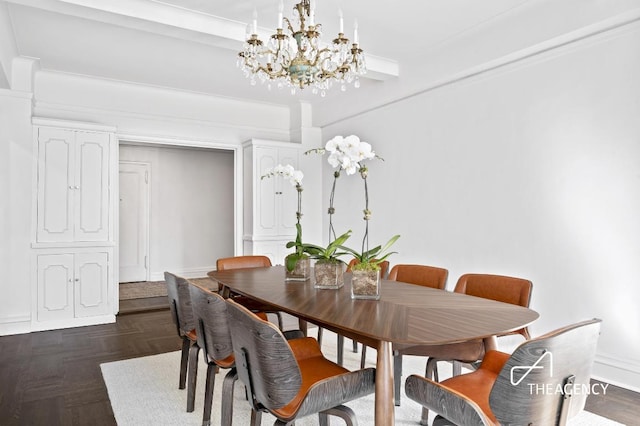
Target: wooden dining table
405	315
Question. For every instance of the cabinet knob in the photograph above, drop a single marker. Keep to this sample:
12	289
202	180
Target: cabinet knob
77	279
278	193
70	280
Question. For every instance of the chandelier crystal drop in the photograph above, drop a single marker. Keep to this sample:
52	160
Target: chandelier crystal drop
298	58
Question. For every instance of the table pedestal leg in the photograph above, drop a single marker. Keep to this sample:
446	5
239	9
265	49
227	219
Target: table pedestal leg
490	344
384	385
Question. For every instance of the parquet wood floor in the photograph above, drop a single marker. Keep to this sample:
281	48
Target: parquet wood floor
53	377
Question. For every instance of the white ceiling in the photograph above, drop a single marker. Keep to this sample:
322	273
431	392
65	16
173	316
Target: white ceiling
192	44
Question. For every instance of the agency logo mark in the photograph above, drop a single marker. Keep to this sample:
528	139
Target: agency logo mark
525	370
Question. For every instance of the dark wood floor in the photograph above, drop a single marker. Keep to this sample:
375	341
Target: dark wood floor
53	377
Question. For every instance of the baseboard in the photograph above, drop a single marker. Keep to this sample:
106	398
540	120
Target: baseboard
16	324
74	322
624	373
199	272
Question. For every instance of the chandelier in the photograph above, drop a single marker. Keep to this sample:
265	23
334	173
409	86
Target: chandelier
299	59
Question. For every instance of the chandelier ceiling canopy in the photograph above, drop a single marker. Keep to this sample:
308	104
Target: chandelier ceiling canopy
297	58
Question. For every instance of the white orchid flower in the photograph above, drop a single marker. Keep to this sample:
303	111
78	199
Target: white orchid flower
365	151
296	177
288	172
332	145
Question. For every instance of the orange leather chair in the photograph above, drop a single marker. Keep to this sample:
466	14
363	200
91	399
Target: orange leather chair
182	314
424	275
291	379
500	391
238	262
512	290
242	262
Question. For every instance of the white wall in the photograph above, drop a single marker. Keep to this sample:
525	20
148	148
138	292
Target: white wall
8	48
16	164
529	170
191	207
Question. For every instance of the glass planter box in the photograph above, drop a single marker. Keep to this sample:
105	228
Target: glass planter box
328	274
365	284
302	271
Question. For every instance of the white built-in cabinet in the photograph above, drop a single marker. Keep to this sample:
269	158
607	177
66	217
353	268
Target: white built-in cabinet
73	243
72	285
270	204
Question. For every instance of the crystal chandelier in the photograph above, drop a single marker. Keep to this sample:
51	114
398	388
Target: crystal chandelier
299	59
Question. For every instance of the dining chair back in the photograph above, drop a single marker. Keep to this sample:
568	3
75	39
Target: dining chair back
214	337
291	379
500	391
182	314
428	276
238	262
516	291
242	262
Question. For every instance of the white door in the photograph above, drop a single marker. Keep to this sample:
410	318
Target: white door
134	221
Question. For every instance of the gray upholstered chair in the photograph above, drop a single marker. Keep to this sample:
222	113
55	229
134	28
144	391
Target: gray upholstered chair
291	379
504	390
182	313
214	337
424	275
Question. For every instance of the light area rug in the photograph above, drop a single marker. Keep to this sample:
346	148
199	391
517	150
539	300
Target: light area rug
144	391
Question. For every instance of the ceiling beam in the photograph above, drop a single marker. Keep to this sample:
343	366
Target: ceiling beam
168	20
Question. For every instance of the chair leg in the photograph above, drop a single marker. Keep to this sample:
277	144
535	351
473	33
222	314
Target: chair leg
280	322
441	421
228	384
355	346
457	368
363	357
210	383
184	361
342	411
340	349
397	377
320	336
193	375
430	373
256	417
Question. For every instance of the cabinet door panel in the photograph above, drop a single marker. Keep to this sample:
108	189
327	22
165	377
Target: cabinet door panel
92	186
91	284
267	192
55	287
55	185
